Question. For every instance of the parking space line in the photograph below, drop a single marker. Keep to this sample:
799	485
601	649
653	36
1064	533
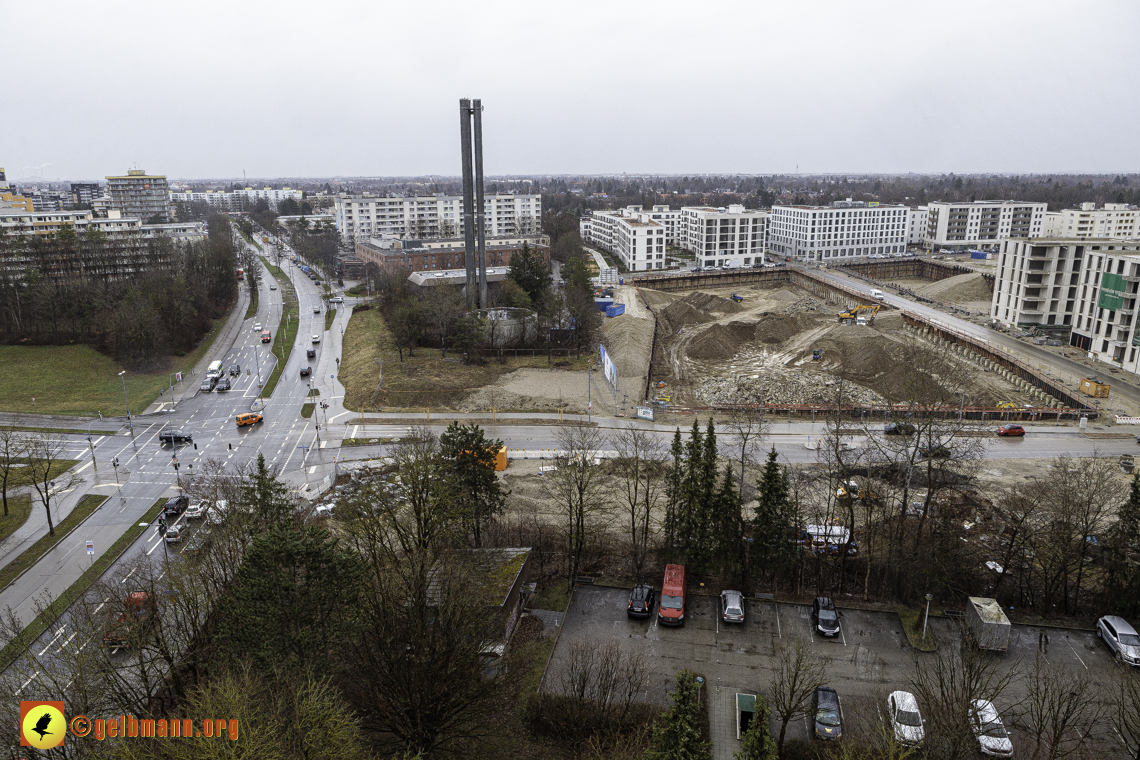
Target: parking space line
776	607
1070	643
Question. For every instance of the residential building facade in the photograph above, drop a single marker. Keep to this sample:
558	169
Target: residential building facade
842	230
445	253
114	226
140	195
1114	220
725	237
1081	291
86	192
631	234
236	200
981	224
916	230
362	217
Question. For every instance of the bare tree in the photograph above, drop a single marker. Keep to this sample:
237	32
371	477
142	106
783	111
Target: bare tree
45	454
580	489
946	685
603	679
639	466
1125	713
748	428
799	671
1060	710
13	450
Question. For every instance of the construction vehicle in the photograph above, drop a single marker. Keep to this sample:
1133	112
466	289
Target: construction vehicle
659	384
736	298
817	354
1007	405
861	311
132	621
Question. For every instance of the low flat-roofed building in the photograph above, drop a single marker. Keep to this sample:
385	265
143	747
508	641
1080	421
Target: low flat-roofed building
435	255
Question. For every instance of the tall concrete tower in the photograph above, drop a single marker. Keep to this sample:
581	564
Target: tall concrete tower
474	237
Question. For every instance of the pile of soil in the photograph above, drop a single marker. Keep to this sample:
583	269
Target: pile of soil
720	341
708	303
783	387
962	288
774	329
628	341
680	314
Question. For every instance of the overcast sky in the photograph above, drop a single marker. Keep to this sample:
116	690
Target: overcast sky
286	89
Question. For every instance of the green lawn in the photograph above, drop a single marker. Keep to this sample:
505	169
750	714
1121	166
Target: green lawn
251	311
77	379
307	410
19	508
286	331
330	315
21	476
912	619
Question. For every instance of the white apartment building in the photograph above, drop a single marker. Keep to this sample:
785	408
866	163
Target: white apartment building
1115	220
114	225
917	230
981	224
1084	291
236	200
360	217
630	234
725	237
842	230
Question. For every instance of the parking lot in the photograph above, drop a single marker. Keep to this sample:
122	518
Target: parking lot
870	658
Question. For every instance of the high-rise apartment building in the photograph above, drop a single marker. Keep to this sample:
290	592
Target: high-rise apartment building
361	217
732	236
981	224
140	195
842	230
1113	220
86	192
236	200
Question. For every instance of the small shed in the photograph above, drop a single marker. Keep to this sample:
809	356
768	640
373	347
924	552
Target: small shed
745	712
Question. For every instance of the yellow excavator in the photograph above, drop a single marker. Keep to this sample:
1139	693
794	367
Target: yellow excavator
861	310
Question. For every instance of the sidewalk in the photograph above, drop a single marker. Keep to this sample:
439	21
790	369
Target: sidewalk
224	341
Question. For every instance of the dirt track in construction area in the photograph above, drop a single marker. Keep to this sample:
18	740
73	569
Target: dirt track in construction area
712	350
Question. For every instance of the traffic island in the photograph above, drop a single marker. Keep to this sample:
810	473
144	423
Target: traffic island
912	620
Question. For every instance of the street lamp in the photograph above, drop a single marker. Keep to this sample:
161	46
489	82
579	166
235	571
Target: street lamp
927	619
91	445
257	360
130	424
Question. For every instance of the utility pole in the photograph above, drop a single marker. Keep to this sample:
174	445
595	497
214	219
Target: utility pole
589	392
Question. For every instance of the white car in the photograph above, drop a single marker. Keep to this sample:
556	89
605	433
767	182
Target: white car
906	721
217	513
316	339
1120	637
195	511
257	327
273	287
173	534
992	737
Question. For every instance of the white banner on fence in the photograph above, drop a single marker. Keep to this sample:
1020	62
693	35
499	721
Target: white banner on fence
609	369
1127	420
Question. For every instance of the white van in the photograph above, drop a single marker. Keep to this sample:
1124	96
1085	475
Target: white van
215	370
877	294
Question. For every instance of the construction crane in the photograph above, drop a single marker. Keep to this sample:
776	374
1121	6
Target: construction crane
861	310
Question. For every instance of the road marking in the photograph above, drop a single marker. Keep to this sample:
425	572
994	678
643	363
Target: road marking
68	641
53	638
25	683
1070	643
132	572
100	606
842	635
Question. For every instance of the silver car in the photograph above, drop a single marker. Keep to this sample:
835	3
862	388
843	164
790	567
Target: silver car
1120	637
732	606
906	721
992	737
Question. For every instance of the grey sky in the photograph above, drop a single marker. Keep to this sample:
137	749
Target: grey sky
207	89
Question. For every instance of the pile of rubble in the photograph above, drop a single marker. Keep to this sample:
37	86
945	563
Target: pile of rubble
784	389
808	303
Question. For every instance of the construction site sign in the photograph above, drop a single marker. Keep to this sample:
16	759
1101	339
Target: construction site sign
609	369
1112	289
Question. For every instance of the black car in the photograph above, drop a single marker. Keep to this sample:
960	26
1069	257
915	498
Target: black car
175	436
899	428
641	601
235	370
311	353
176	506
824	616
223	384
935	452
828	714
306	371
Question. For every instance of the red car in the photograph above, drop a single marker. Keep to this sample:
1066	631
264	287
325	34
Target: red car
1011	430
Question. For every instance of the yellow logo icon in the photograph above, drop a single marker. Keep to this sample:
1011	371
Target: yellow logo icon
42	724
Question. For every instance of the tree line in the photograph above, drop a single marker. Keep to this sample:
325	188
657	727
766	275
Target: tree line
135	299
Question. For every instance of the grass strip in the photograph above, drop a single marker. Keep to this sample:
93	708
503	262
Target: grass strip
79	588
554	597
911	619
314	391
364	441
22	476
307	410
286	331
36	551
330	315
69	431
251	311
19	509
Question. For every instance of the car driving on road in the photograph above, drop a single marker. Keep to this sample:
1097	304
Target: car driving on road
311	353
173	534
207	385
175	436
306	371
1010	430
223	384
316	338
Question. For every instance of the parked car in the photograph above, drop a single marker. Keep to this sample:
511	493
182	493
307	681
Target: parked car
306	371
316	339
934	452
311	353
195	545
641	600
990	732
906	720
1120	637
899	428
223	384
671	609
173	534
235	370
1011	430
175	436
195	511
828	714
207	384
824	616
732	606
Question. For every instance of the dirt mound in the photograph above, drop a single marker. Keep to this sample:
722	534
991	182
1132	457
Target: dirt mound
962	288
656	298
720	341
628	342
679	314
776	328
707	302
